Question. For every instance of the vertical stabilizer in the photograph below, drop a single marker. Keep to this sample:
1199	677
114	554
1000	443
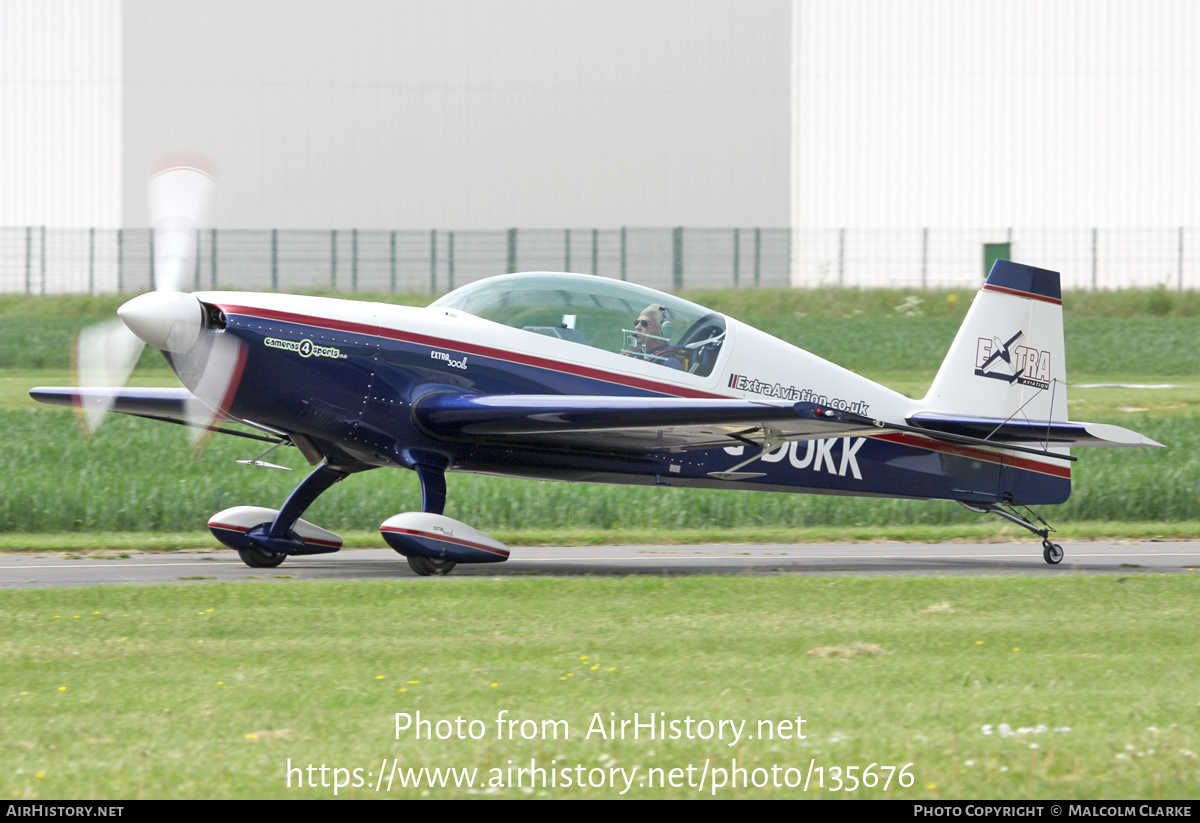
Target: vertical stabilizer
1008	359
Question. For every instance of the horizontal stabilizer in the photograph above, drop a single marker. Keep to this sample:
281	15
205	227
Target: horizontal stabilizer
1046	432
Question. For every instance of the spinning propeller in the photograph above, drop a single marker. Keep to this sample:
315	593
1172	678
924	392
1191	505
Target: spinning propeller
191	334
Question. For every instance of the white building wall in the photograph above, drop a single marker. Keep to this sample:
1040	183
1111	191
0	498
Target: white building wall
991	115
467	114
60	113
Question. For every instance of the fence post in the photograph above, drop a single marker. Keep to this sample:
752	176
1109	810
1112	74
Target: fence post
393	261
1094	231
925	258
623	272
333	259
212	260
512	250
737	256
677	257
29	259
354	260
43	260
758	256
566	249
433	261
450	262
274	260
841	257
595	259
1179	270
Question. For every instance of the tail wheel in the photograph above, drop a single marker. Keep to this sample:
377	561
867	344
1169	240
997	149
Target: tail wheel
257	558
427	566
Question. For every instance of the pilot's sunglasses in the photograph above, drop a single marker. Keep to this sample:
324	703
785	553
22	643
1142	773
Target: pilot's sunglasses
641	323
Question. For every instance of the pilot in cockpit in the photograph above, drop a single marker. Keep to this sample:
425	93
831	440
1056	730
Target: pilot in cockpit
652	333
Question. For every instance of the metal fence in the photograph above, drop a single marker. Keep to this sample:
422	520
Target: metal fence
1088	259
37	260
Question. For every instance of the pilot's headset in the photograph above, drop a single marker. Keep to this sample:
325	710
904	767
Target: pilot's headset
663	315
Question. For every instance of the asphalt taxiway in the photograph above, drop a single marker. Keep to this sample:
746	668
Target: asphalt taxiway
99	568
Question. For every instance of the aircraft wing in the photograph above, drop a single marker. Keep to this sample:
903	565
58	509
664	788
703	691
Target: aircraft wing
173	405
638	425
160	404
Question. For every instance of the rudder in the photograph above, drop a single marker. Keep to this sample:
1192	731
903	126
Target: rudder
1008	359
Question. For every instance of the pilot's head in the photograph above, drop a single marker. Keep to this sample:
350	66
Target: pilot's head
651	322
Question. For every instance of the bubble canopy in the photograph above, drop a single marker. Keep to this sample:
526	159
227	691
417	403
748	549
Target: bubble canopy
594	311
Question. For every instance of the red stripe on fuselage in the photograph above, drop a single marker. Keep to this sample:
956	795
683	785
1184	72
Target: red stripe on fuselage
914	441
469	348
919	442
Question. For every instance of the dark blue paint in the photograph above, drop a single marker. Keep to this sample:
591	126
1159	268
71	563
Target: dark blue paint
362	403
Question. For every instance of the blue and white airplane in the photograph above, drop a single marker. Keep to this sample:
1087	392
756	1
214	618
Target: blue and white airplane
555	376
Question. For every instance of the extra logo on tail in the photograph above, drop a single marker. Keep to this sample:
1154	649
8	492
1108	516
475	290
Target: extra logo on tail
1003	360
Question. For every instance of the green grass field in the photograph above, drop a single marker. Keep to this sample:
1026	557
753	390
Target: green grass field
1058	687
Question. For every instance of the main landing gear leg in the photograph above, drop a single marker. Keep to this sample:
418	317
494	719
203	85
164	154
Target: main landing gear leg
433	501
433	488
313	486
279	532
432	543
1052	553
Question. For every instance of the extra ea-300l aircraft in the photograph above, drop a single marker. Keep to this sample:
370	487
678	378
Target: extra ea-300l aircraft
573	377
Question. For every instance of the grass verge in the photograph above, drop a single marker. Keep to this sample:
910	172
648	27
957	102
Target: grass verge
998	688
